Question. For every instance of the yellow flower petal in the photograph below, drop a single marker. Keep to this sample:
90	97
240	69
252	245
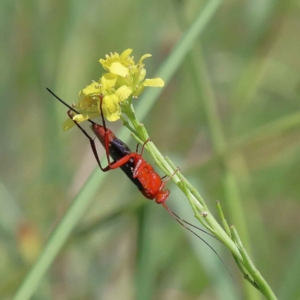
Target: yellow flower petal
118	69
125	53
88	103
124	59
139	90
68	124
111	108
93	88
114	116
80	118
103	63
156	82
123	92
142	75
143	57
108	80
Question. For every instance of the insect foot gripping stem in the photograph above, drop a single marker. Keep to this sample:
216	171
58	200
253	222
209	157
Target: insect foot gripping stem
162	195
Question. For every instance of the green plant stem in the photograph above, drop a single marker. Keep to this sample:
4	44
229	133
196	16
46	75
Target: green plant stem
229	164
200	209
224	222
259	280
225	225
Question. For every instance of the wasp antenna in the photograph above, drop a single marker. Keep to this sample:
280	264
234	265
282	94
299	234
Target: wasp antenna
66	104
175	216
180	221
62	101
205	242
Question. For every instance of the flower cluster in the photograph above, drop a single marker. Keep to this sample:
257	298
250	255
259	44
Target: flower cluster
123	79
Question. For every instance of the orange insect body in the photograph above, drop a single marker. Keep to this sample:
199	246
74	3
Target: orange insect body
133	164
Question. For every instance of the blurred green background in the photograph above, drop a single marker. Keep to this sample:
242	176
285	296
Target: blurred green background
229	118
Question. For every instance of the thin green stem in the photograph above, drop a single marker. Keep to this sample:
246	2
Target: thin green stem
227	229
224	222
261	284
202	212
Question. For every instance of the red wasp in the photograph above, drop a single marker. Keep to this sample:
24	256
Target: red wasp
134	166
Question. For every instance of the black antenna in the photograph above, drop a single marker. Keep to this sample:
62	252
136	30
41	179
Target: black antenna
70	107
186	222
181	222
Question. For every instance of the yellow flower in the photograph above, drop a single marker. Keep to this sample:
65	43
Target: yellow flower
124	79
87	105
89	102
118	64
128	73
